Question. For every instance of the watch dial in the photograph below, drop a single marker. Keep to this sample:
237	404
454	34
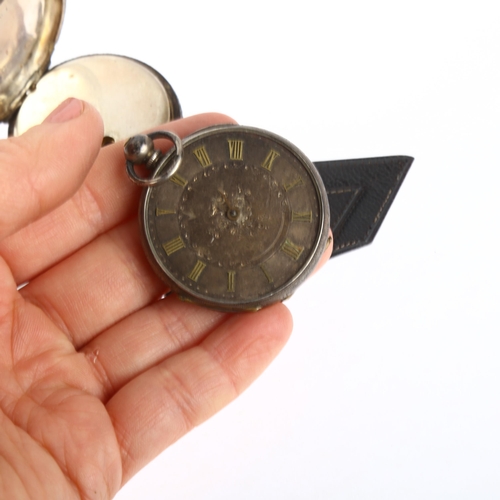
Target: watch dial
240	224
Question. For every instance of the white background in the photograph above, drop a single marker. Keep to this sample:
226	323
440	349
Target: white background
389	386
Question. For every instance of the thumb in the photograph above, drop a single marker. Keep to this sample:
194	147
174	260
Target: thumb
45	166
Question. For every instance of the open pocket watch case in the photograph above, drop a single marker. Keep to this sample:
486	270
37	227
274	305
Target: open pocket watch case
130	95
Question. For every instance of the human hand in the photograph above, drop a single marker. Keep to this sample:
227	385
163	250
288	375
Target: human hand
97	375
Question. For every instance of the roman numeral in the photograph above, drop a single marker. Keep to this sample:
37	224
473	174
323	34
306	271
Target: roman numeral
230	280
268	162
173	245
163	211
291	249
296	182
266	273
235	149
302	216
196	271
202	156
177	179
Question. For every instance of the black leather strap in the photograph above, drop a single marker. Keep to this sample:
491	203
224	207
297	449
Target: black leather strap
360	193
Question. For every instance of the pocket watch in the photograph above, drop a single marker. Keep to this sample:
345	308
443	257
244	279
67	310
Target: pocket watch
235	218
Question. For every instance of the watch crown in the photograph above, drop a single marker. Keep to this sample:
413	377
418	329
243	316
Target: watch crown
139	149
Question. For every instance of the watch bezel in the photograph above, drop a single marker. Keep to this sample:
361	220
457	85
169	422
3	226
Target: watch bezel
282	292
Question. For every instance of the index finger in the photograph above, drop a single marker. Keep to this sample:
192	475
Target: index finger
105	199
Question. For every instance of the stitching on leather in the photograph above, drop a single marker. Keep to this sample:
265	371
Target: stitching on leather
345	245
339	191
381	208
353	243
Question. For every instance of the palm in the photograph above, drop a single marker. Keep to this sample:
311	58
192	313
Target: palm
98	376
51	412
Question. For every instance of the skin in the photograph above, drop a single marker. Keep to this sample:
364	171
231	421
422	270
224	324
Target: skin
97	375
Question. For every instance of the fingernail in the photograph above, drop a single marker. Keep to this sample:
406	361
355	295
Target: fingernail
67	110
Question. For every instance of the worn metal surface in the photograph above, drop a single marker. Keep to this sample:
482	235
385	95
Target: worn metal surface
241	224
28	33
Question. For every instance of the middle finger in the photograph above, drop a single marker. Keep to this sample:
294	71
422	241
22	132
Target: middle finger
97	286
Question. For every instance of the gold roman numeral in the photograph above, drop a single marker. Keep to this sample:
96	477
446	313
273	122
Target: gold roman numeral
296	182
173	245
266	273
202	156
230	280
235	149
196	271
177	179
268	162
163	211
302	216
291	249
